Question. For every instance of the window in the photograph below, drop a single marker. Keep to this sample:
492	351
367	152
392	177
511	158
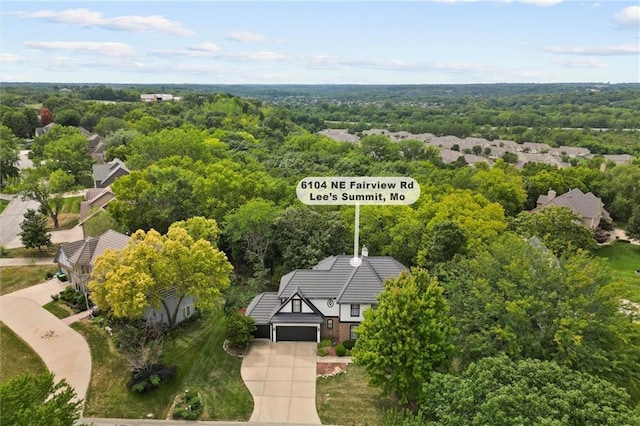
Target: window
352	332
297	305
186	312
329	324
355	310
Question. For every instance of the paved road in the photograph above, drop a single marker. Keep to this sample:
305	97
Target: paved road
282	380
11	218
26	261
64	351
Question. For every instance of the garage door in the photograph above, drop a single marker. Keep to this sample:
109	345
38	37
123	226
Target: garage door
296	334
262	332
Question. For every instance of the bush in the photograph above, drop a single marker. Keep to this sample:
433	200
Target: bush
325	343
349	344
189	407
341	350
239	330
323	351
48	275
4	252
74	299
146	380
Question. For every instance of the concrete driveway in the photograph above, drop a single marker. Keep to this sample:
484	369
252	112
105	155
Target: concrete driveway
64	352
282	380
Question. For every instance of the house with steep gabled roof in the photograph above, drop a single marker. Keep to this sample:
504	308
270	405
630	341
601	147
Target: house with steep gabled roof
587	206
105	174
77	258
326	301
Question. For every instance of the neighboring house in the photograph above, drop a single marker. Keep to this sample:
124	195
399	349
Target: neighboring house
78	258
105	174
589	207
619	159
158	97
326	301
42	130
95	200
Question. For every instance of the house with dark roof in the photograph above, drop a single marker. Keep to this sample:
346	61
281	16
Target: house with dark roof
105	174
326	301
587	206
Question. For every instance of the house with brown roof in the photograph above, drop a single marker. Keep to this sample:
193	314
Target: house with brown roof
326	301
589	207
78	258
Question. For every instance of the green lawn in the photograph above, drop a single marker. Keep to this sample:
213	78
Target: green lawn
16	357
59	309
624	260
33	252
101	222
69	214
196	349
347	400
13	278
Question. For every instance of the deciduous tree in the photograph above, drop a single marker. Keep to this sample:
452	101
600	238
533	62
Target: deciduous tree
35	400
9	155
407	336
137	277
499	391
47	188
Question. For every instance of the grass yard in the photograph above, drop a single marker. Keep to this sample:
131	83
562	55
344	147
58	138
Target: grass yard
16	356
196	348
347	400
14	278
25	252
624	260
59	309
69	214
101	222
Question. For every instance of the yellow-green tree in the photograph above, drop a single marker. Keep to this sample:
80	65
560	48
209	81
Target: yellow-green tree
129	280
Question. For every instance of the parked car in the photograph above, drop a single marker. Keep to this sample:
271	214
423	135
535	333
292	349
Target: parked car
61	275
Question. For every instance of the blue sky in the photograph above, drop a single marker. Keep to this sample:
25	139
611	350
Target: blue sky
324	42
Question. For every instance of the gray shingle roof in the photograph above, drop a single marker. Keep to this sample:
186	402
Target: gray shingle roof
102	172
586	205
334	277
85	252
263	306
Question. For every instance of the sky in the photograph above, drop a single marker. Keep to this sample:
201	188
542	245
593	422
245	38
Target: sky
320	42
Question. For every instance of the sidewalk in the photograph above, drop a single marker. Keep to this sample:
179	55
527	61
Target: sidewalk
64	351
26	261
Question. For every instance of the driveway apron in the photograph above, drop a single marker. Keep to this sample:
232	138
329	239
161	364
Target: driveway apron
282	380
64	351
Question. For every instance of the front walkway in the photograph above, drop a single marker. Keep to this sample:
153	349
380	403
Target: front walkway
282	380
64	352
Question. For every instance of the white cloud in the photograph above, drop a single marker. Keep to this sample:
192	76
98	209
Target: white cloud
581	63
620	49
100	48
204	49
88	18
10	58
246	37
629	17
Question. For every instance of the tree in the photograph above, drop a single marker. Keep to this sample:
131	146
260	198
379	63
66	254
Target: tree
69	154
501	184
620	191
250	230
35	232
445	241
140	344
379	147
633	226
499	391
303	236
47	188
9	155
407	336
128	281
559	229
515	297
46	117
35	400
68	117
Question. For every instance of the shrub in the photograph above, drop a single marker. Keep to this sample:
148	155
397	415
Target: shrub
325	343
341	350
349	344
4	252
55	297
323	351
189	407
240	330
48	275
151	378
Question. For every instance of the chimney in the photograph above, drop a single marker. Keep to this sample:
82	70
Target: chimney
365	251
551	195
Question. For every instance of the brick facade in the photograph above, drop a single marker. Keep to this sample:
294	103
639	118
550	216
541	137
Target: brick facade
341	330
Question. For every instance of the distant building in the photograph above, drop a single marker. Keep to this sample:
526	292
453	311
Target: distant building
158	97
589	207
